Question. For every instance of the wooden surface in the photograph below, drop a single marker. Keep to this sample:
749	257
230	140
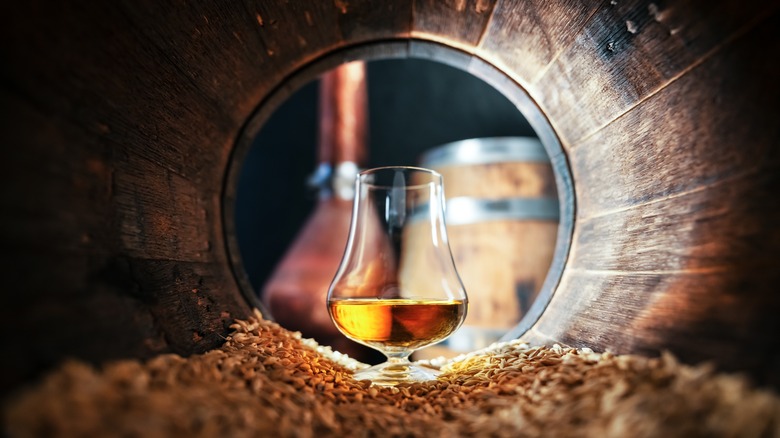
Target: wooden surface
498	180
676	189
120	120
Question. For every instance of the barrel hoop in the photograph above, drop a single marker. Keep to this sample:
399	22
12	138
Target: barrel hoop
467	210
487	150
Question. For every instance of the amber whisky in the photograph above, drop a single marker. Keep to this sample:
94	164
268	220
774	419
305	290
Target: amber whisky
397	323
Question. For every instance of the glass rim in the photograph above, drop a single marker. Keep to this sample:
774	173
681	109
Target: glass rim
432	173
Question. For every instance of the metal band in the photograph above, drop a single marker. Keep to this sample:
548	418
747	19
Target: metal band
486	150
465	210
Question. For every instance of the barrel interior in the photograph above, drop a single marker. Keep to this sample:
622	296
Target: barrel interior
124	126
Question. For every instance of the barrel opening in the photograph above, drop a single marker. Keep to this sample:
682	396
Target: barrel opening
510	199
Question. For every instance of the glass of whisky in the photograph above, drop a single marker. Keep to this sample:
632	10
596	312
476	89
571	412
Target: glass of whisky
397	289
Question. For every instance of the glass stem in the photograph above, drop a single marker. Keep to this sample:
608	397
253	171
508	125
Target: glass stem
397	358
396	363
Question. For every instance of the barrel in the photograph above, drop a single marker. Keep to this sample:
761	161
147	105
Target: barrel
502	220
125	126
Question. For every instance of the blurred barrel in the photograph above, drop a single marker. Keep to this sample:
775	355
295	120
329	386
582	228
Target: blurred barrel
502	219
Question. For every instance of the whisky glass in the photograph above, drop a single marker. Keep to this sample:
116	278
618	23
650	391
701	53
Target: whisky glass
397	289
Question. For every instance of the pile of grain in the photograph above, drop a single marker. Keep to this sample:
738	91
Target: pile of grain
267	381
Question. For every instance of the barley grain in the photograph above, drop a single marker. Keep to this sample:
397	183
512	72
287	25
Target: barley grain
267	381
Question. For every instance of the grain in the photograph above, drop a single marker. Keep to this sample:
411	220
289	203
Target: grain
267	381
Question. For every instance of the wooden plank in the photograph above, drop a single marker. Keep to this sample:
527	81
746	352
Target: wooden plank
367	20
98	200
459	23
124	89
161	215
716	125
715	317
193	303
215	47
630	50
69	291
101	307
676	243
46	200
731	226
524	37
319	27
316	31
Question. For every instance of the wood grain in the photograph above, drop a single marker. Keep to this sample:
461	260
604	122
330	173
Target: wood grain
459	23
668	310
720	228
366	20
525	37
498	180
630	50
694	146
675	238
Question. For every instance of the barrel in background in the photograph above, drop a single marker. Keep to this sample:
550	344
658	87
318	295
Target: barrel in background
502	221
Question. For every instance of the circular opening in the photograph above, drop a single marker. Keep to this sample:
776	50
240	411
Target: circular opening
430	106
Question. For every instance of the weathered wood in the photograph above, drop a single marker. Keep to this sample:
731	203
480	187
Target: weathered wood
630	50
717	228
460	23
648	311
695	146
367	20
525	37
675	238
152	104
120	122
64	304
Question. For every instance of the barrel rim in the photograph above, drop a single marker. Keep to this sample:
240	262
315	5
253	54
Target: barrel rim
403	48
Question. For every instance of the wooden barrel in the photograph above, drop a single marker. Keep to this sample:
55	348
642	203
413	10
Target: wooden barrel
124	124
502	222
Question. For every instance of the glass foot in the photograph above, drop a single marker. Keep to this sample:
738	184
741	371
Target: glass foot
392	373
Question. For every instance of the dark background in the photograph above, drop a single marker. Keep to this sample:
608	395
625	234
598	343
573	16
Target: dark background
414	105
